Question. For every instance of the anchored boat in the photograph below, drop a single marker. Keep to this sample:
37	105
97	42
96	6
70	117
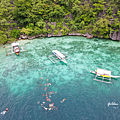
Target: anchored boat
59	56
103	75
15	48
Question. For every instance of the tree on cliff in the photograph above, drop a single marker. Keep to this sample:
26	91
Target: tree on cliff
99	17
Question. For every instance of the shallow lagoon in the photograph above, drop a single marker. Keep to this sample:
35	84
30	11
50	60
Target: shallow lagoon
86	99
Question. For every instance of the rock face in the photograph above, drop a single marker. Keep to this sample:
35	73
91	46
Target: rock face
118	37
114	37
24	37
31	37
59	34
53	23
89	36
70	15
77	34
110	35
44	35
86	34
49	35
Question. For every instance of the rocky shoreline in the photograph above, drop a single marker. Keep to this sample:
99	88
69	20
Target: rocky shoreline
113	36
52	35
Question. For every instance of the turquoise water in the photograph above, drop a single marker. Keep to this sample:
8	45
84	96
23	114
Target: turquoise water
86	99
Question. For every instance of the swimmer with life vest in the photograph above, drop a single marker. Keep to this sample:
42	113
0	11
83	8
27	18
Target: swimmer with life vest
45	88
50	94
48	84
42	105
63	100
51	105
48	99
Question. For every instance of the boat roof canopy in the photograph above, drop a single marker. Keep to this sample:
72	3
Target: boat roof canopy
102	72
57	52
15	44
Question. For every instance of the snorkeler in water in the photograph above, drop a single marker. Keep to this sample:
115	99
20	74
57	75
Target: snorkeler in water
5	111
63	100
45	108
48	99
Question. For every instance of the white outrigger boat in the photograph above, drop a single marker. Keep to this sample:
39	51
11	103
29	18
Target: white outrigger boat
15	48
59	56
104	74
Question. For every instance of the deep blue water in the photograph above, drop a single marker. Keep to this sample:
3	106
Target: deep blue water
86	99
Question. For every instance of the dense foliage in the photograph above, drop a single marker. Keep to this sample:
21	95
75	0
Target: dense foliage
34	17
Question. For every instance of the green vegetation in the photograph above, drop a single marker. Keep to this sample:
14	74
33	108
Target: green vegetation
34	17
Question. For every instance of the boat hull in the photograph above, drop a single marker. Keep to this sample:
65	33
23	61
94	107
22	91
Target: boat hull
64	61
61	59
17	53
94	72
16	50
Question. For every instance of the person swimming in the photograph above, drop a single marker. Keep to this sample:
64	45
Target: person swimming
63	100
43	102
45	88
45	108
48	99
51	105
50	94
5	111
